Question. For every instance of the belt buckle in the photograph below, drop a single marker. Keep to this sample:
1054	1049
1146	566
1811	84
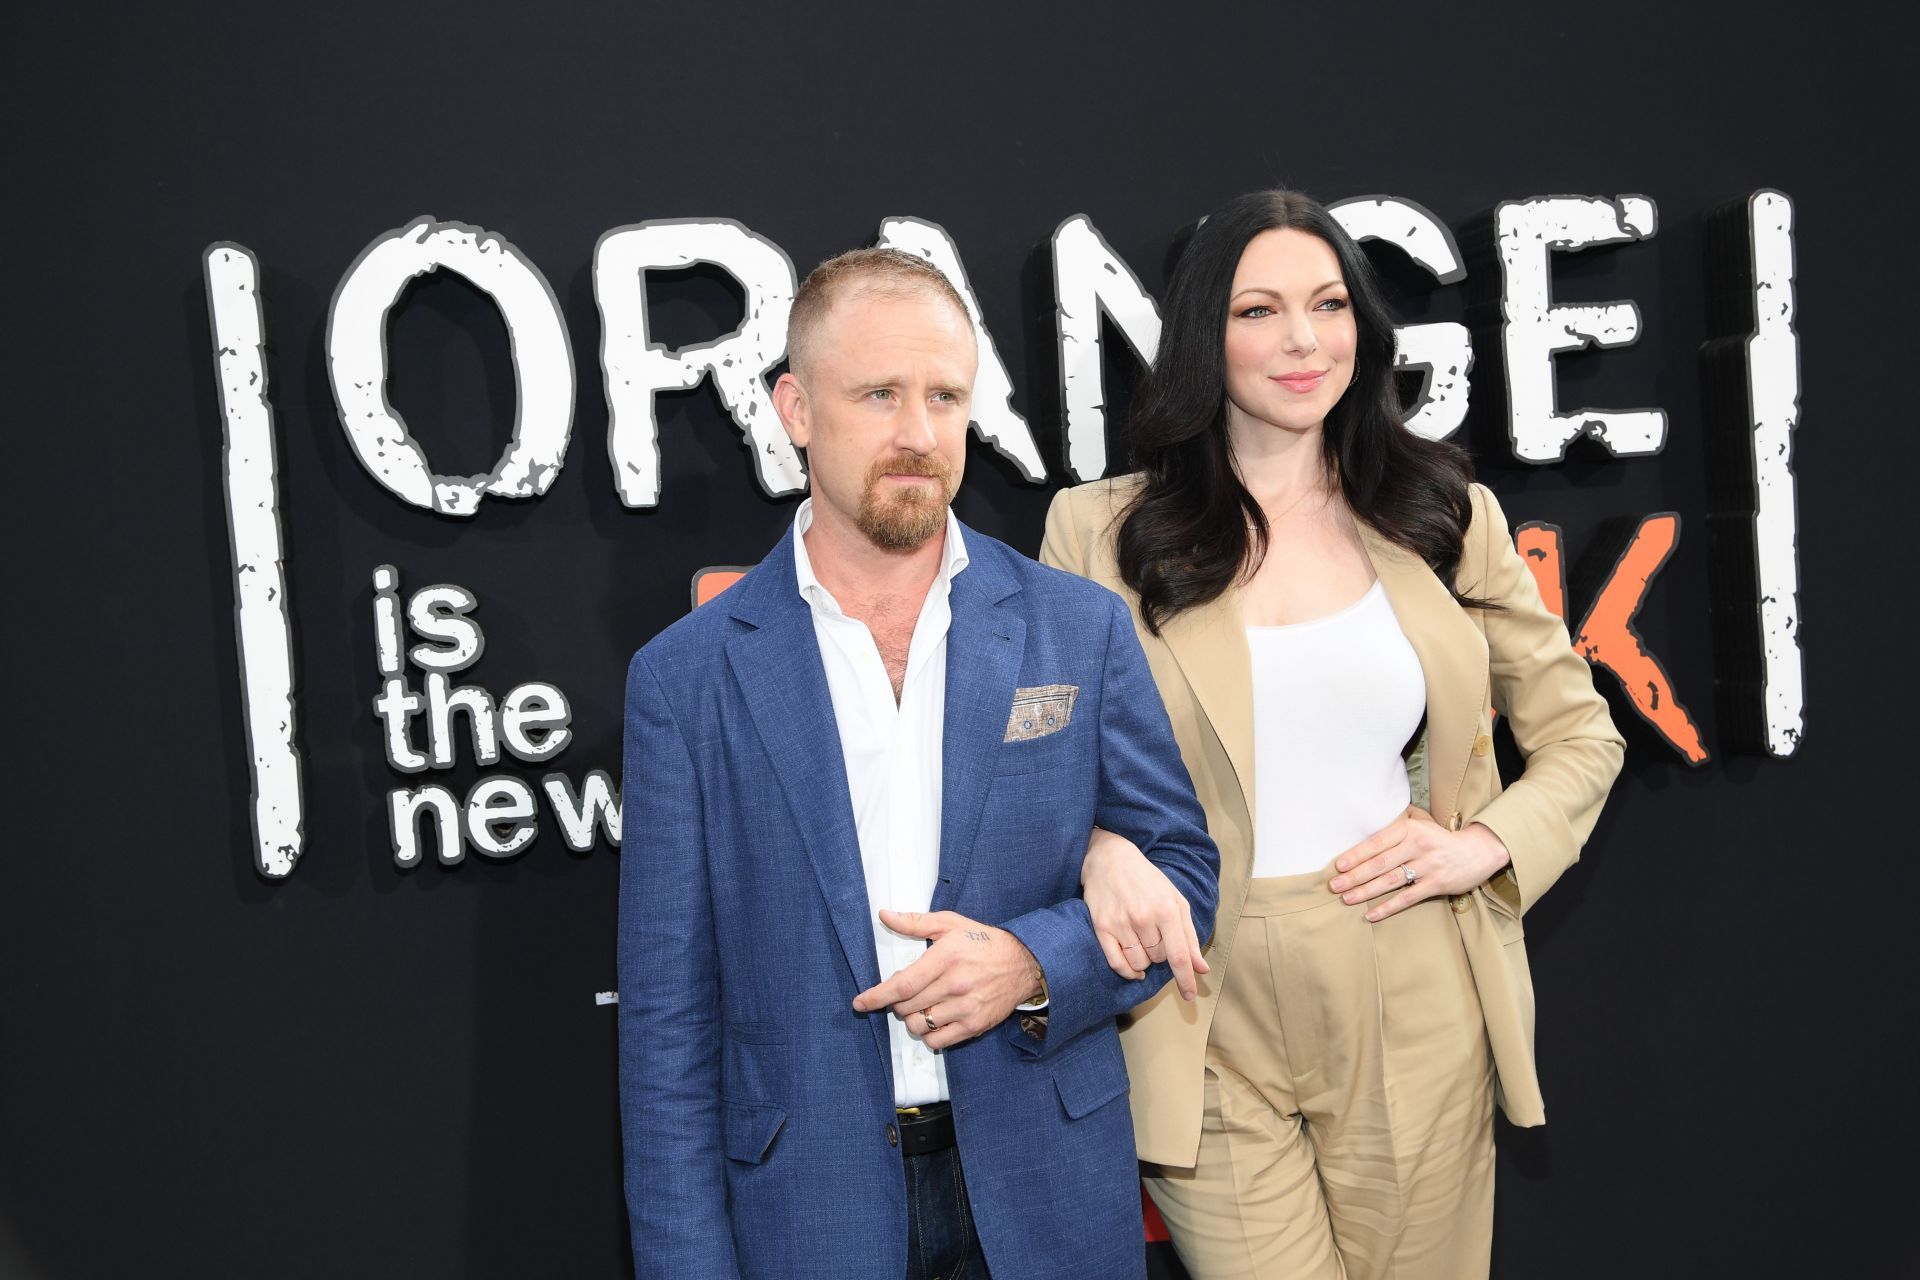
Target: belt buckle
924	1130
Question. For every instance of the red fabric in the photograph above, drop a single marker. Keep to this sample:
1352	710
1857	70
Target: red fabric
1156	1227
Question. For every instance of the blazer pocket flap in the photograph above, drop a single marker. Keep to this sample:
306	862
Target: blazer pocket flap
751	1128
1090	1080
1040	710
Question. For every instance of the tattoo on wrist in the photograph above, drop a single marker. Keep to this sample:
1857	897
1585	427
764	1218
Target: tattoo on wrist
979	935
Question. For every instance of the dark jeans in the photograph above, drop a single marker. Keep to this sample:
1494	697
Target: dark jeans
941	1244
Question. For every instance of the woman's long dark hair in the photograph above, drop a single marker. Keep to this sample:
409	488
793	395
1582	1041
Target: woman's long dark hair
1193	529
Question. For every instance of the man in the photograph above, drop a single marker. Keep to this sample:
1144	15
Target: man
865	1026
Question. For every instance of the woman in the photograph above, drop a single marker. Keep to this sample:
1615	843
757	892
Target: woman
1333	613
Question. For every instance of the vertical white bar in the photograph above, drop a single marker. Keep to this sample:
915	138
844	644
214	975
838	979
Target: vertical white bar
261	620
1091	280
1773	382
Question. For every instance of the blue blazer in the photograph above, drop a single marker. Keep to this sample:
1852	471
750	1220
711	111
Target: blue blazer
756	1105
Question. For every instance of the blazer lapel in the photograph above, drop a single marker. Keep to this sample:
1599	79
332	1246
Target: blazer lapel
784	687
986	643
1453	658
1210	644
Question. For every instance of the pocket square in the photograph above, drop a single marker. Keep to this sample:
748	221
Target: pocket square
1041	710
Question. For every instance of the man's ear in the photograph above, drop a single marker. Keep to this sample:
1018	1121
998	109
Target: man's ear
790	402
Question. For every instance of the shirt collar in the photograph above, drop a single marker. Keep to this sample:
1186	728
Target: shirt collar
953	558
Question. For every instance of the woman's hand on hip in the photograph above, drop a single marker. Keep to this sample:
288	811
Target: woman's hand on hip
1138	916
1441	863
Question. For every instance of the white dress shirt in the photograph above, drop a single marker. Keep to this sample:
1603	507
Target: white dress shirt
893	759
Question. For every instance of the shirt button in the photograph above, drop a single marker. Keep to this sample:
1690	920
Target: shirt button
893	1136
1482	744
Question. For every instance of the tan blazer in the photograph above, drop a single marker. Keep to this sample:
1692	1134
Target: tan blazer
1519	661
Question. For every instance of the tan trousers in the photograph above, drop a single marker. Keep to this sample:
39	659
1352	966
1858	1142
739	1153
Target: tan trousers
1348	1130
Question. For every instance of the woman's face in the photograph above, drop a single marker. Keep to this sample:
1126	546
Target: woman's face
1290	336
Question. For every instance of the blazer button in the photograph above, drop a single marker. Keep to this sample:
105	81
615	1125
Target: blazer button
893	1136
1462	903
1482	744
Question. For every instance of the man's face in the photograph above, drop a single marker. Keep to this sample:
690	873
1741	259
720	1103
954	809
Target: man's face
882	411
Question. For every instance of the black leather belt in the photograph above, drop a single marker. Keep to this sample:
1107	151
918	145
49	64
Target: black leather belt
925	1129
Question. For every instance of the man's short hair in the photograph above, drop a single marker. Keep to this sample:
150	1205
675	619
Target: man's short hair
863	273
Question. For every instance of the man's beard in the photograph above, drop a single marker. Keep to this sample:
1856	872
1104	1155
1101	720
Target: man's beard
906	516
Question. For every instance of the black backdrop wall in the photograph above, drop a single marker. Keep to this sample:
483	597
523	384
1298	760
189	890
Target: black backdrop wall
364	1069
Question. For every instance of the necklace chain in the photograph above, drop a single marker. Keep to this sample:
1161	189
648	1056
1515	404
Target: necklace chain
1287	510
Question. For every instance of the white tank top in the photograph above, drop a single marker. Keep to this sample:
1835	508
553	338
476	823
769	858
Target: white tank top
1334	701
